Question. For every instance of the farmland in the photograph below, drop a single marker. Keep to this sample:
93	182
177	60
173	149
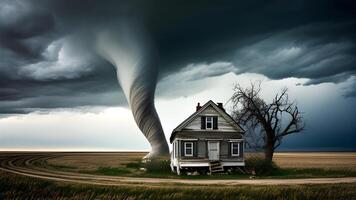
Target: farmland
117	175
292	165
329	160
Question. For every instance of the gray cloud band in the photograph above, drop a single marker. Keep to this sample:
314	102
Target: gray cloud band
301	39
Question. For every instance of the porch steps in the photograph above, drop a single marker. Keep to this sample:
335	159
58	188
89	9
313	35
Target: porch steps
215	167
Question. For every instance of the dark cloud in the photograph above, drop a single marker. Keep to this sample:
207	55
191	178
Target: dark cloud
24	28
295	53
47	58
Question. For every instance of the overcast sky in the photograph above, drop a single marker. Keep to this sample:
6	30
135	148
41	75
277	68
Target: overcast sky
56	92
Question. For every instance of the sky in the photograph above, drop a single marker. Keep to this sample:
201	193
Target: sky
57	92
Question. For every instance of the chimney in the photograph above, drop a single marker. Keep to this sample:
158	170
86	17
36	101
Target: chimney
220	105
198	106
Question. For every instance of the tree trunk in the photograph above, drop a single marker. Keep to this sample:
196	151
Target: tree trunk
269	150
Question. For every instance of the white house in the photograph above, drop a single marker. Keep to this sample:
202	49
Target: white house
207	141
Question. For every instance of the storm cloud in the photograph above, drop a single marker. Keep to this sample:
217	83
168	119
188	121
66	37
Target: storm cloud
47	58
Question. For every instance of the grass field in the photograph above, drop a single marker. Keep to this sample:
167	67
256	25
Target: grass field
93	161
329	160
292	165
18	187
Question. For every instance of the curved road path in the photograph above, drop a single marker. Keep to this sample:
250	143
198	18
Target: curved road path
34	165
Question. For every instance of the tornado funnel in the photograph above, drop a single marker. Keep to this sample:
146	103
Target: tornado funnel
135	62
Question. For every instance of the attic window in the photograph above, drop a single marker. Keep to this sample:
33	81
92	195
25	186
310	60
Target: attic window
209	122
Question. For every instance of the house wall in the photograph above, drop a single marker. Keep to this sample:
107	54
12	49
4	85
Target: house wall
201	150
225	151
223	124
212	134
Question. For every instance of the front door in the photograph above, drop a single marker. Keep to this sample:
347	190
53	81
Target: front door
213	148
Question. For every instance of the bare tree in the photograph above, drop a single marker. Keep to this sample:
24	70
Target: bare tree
274	120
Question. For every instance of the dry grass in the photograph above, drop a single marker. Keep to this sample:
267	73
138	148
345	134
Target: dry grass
290	165
19	187
93	161
326	160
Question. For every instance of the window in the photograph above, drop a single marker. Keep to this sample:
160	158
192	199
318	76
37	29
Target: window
188	148
235	148
209	122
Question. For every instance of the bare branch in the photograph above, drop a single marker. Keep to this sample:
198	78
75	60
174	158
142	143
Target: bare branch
253	112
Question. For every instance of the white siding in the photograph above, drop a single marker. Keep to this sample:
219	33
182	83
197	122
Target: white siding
223	125
194	125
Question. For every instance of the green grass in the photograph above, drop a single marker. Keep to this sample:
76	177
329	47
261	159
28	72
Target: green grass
161	169
64	167
134	165
113	171
279	173
18	187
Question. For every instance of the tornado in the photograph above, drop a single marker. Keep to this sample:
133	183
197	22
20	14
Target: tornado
135	61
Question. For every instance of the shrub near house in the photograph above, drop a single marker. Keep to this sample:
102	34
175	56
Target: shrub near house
209	140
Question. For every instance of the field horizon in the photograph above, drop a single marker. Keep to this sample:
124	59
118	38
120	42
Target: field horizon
108	175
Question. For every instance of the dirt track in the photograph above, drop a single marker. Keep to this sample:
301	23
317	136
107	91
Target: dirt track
34	165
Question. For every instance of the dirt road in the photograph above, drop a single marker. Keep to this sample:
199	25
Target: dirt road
34	165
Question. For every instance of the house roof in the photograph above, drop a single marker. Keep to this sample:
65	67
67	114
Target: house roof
222	112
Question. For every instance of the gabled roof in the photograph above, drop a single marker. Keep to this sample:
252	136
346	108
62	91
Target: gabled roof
222	112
